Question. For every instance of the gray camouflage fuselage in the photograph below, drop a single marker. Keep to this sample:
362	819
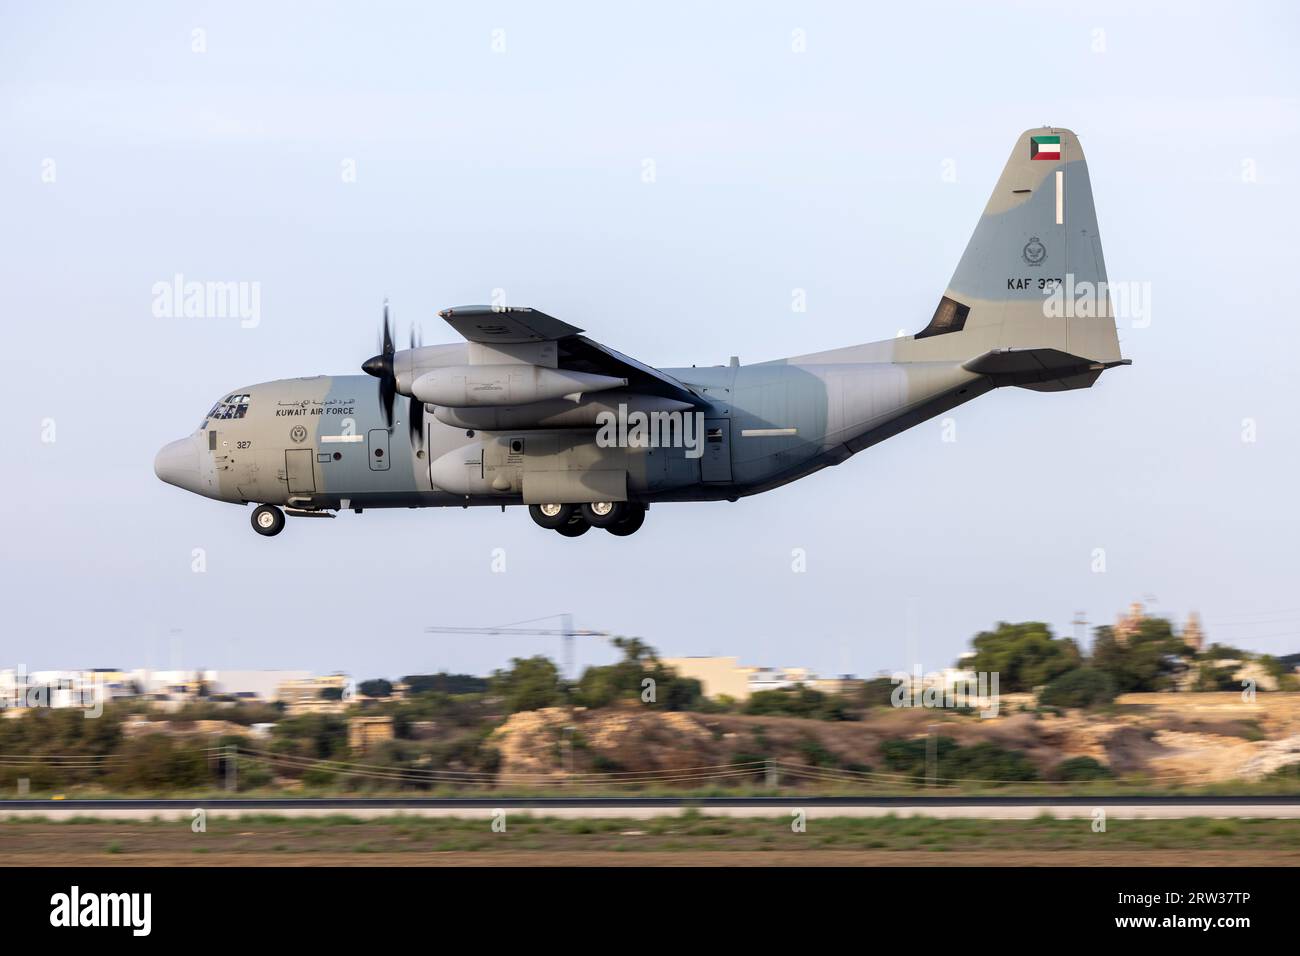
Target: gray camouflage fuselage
321	444
828	409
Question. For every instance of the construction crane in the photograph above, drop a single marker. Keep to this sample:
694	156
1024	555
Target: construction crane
566	631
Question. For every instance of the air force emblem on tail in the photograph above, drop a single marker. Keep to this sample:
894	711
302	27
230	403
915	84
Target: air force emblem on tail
1034	252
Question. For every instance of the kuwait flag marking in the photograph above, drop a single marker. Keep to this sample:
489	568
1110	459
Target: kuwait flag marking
1044	147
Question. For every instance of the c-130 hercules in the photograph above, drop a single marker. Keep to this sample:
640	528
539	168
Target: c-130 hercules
529	411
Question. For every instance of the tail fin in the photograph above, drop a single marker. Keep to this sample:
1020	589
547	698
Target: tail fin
1038	229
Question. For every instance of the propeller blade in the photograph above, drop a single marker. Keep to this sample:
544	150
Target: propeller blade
381	367
388	336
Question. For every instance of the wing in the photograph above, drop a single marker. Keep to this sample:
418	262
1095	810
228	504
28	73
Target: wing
505	325
509	325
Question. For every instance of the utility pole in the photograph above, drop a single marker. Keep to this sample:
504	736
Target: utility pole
931	757
1080	623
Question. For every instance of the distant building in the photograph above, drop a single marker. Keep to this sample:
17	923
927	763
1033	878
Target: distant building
844	684
161	689
315	695
87	689
779	678
251	685
727	677
1128	624
365	732
718	676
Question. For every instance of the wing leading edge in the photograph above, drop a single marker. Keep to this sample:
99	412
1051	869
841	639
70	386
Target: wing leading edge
509	325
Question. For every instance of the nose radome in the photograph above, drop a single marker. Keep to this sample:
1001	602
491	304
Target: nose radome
178	464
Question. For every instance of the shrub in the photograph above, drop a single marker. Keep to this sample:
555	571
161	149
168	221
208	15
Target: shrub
1081	768
798	702
1081	687
982	761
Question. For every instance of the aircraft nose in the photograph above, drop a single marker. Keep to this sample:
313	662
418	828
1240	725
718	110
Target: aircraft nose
178	463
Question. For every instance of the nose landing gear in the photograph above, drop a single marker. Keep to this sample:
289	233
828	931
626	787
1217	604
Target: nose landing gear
268	520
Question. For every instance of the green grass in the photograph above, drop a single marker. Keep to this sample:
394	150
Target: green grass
692	831
1131	785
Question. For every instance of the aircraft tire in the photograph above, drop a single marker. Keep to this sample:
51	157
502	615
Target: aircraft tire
558	515
631	523
268	520
577	526
604	514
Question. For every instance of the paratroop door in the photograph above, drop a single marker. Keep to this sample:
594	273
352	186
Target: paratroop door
716	463
299	468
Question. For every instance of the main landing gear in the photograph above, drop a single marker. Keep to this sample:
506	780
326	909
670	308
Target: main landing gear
619	518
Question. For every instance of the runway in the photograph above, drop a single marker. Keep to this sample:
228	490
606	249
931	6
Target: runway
641	808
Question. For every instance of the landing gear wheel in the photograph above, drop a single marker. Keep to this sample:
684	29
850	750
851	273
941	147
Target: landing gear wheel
604	514
268	520
633	518
577	526
551	515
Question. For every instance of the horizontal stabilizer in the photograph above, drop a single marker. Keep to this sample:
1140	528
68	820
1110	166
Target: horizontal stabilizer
1036	368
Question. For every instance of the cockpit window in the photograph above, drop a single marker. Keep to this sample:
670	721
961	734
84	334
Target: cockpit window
232	406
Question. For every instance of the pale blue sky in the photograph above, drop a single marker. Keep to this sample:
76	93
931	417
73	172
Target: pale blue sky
522	170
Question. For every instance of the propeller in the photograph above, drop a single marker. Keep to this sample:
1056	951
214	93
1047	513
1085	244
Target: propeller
381	367
416	415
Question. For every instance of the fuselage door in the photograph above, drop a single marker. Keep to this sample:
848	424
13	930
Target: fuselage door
377	443
299	468
716	463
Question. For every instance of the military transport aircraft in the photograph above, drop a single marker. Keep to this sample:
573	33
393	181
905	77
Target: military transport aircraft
530	411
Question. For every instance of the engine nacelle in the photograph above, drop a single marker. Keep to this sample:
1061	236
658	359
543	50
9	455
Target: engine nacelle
477	386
